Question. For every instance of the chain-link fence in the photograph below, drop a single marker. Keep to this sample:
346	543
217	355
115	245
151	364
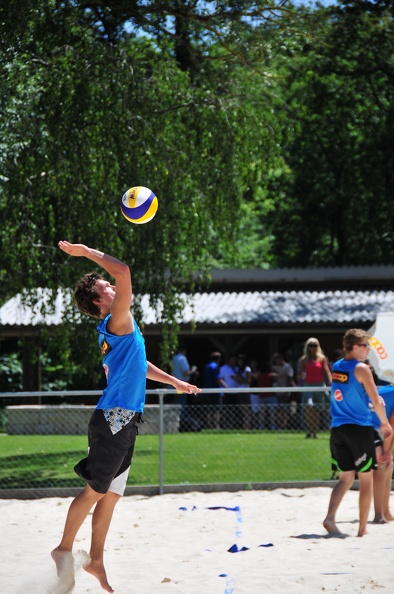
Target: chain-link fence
224	437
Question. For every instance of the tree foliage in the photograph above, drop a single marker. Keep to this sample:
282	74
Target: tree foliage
265	129
91	110
338	189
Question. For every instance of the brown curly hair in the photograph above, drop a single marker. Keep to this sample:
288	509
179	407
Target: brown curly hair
86	293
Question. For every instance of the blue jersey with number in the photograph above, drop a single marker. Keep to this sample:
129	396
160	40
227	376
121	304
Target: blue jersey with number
125	366
349	400
387	393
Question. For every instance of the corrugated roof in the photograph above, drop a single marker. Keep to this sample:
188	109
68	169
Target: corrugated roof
281	307
258	307
18	311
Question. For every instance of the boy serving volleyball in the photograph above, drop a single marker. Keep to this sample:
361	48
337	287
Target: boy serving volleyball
112	428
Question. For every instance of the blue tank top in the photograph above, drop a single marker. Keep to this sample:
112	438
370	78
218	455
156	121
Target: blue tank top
349	400
125	366
387	393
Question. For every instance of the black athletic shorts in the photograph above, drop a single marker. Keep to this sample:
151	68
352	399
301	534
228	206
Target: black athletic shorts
109	454
353	448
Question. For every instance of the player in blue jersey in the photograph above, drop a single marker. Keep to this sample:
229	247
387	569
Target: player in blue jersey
112	429
383	475
352	433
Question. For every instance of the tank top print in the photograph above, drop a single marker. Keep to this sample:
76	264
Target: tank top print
349	400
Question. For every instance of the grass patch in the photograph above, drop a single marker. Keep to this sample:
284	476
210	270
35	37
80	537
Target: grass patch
38	461
245	457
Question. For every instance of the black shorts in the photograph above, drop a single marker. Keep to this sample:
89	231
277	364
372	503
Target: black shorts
109	454
353	448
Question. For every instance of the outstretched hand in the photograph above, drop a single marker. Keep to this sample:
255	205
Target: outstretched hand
185	387
73	249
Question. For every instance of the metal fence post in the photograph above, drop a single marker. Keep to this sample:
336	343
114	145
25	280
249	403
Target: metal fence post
161	443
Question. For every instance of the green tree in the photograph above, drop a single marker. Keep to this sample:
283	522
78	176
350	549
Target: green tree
90	110
337	192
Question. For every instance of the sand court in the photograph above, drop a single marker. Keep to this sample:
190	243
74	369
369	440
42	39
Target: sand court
180	544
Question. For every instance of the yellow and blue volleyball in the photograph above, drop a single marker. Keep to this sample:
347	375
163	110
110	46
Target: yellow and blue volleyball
139	205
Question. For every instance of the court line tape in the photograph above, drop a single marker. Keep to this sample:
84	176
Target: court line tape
235	548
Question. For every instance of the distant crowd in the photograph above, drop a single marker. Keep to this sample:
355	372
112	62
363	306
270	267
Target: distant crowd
266	410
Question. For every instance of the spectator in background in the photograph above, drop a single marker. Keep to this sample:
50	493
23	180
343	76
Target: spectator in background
263	404
182	370
228	371
212	379
283	376
243	378
255	408
314	372
180	365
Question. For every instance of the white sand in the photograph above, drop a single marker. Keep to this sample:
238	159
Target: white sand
155	547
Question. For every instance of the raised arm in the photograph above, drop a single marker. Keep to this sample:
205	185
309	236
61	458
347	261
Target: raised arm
119	302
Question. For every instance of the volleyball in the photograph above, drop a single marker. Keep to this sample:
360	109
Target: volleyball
139	205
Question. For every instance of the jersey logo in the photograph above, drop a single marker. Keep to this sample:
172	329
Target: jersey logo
342	377
338	395
105	348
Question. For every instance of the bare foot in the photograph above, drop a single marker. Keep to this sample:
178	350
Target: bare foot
389	517
379	520
362	532
96	568
64	561
331	528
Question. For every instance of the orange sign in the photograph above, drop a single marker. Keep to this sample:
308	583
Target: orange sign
379	348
